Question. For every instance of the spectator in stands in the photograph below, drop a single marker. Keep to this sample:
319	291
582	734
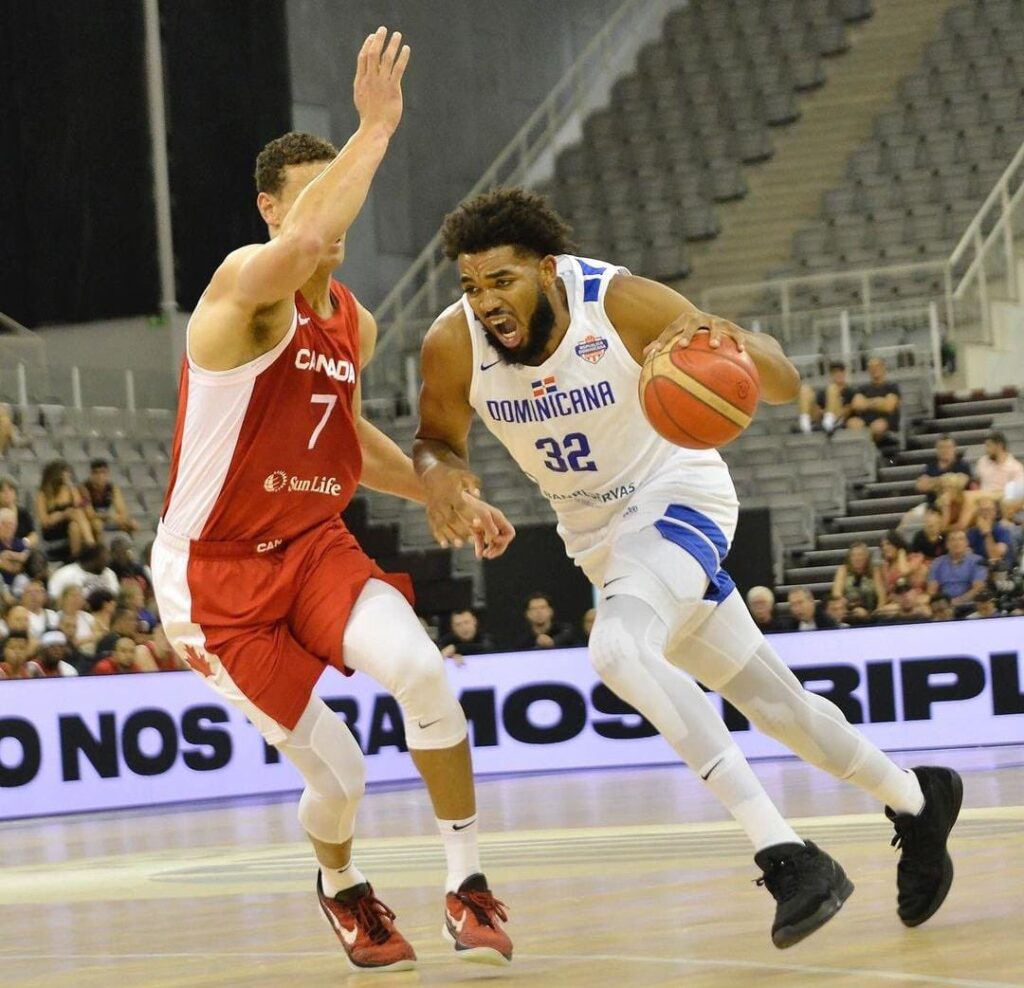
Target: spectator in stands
158	651
36	568
828	407
837	608
894	564
72	607
123	624
40	617
9	434
930	541
876	405
761	604
13	551
947	463
105	501
61	511
101	604
464	638
9	499
860	577
543	631
805	612
999	469
68	625
952	503
126	567
984	605
942	609
90	571
959	574
905	606
53	657
16	619
988	537
587	623
14	655
116	658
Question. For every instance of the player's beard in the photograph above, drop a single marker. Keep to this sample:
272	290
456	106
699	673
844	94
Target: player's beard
538	335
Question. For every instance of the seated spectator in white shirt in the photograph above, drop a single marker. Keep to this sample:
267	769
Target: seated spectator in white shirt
52	657
13	551
998	468
16	619
40	617
89	572
72	606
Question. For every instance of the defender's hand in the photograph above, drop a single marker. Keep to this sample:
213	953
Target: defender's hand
377	90
449	517
683	328
492	531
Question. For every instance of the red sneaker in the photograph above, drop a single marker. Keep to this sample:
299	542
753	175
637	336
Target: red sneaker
366	929
472	922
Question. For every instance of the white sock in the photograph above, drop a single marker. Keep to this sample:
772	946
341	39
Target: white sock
828	421
460	849
336	880
805	422
733	781
898	788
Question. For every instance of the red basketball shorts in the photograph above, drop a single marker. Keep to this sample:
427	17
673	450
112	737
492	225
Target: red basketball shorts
261	620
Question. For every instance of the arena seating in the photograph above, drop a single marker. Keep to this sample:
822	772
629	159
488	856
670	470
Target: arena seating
699	107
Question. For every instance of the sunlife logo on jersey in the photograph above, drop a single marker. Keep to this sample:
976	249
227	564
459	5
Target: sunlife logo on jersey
280	481
548	401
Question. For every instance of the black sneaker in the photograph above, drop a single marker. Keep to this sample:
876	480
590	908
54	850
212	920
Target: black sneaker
925	871
808	886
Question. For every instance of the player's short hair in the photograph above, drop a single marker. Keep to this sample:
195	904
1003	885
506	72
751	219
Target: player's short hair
834	365
540	595
293	148
999	438
99	464
505	217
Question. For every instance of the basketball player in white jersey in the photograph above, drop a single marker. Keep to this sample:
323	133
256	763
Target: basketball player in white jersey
260	585
546	348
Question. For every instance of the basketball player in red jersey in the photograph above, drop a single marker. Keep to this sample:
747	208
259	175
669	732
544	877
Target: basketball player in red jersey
259	583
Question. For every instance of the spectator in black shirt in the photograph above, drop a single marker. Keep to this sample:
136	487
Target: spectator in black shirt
464	638
931	540
947	461
26	528
544	631
828	406
761	604
876	405
805	612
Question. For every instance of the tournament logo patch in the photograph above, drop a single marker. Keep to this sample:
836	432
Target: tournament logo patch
592	349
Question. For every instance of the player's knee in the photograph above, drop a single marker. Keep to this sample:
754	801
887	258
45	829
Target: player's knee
613	650
433	716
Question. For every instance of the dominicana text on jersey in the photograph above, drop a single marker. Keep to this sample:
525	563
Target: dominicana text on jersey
574	423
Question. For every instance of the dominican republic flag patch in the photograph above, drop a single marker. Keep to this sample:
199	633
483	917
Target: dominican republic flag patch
592	349
544	386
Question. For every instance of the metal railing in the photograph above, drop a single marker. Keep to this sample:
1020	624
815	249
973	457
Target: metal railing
419	294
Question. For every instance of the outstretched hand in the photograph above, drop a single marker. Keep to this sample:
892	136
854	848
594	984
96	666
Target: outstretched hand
685	326
492	531
377	90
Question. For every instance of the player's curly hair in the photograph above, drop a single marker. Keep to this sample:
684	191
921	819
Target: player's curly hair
508	216
293	148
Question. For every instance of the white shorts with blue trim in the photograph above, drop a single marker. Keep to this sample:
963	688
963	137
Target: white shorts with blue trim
641	551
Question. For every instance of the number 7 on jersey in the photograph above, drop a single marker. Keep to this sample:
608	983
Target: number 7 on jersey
330	401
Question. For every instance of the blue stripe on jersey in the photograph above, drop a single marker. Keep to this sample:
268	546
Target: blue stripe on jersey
703	524
591	289
720	584
590	268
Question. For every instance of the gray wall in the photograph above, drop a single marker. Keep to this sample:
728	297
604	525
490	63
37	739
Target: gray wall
479	68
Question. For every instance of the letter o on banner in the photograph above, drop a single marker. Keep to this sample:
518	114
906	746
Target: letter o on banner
135	758
572	713
23	734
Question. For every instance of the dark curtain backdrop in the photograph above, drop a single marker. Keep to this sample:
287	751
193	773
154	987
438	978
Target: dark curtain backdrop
76	219
77	237
228	93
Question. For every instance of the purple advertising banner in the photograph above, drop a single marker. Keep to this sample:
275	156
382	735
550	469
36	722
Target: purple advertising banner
73	745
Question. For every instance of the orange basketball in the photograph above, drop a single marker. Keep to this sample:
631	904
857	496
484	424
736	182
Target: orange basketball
699	397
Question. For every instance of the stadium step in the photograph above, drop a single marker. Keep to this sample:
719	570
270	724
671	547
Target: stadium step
974	406
875	522
819	588
956	423
899	472
877	505
843	540
964	437
810	574
889	488
819	557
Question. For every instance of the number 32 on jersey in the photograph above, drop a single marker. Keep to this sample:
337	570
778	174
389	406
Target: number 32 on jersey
568	454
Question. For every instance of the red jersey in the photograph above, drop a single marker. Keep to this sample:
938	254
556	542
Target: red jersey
267	450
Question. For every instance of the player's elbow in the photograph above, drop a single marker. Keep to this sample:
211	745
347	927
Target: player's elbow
781	386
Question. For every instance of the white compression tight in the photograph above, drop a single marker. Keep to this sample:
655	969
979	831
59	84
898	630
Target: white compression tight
729	655
627	651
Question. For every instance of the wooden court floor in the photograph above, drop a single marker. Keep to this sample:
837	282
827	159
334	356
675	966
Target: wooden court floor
615	878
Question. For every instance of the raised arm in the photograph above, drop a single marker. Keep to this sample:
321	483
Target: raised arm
648	315
256	283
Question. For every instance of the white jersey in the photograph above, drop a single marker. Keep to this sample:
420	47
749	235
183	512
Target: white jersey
574	423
